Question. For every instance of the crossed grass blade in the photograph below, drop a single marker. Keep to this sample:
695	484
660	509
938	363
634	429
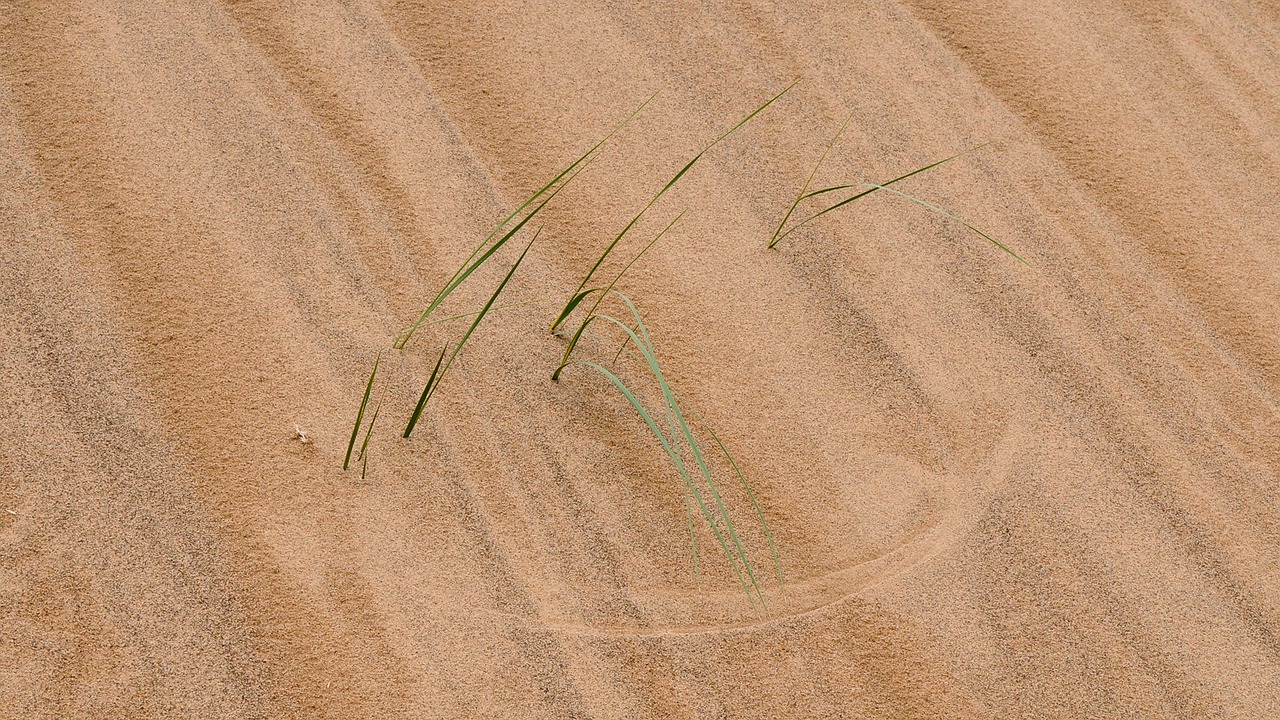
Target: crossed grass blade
808	181
467	269
559	182
673	406
437	376
580	293
779	235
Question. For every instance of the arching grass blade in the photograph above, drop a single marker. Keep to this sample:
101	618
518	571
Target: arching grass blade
930	206
873	188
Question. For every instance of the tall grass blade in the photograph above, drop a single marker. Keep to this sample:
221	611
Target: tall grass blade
473	313
467	266
364	447
746	485
675	459
578	294
768	533
739	554
646	349
437	377
364	403
604	293
426	393
466	270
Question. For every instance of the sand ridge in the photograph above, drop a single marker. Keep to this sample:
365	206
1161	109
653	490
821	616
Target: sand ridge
998	490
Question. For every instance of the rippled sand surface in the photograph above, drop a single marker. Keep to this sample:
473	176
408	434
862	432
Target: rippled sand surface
997	490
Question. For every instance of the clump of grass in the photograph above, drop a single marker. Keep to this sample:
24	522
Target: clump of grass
482	253
582	292
700	489
868	188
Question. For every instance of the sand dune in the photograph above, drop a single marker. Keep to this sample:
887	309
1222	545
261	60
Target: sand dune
997	490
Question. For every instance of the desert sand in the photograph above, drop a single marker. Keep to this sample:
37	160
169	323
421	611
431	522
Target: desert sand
997	490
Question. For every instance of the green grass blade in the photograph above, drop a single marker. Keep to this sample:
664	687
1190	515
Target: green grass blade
773	548
809	180
364	447
466	271
426	393
573	342
564	314
693	540
647	350
692	443
569	307
635	312
715	491
930	206
569	171
688	510
364	403
473	313
435	380
639	327
768	533
778	238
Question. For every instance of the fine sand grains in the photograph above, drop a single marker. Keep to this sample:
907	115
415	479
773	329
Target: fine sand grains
965	486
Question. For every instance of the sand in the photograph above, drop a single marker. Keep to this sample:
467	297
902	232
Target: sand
997	490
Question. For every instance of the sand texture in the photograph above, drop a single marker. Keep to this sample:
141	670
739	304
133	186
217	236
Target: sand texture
998	490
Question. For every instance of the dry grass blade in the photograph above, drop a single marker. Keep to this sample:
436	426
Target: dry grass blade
437	376
580	293
930	206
